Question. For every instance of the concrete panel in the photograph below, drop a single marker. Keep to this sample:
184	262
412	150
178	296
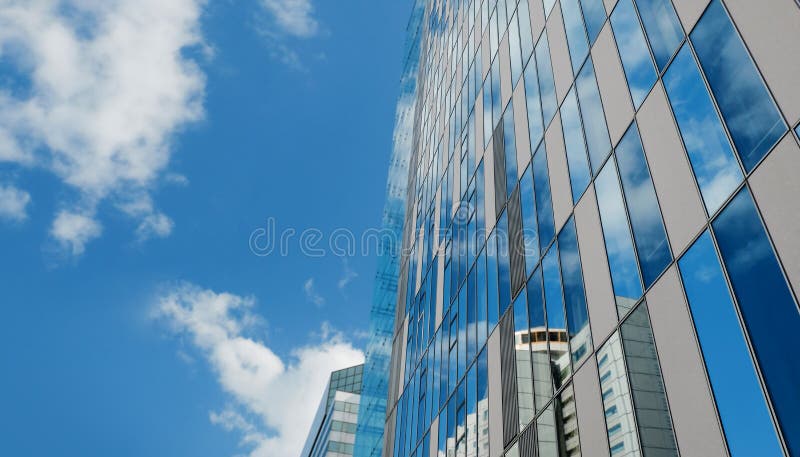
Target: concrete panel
591	423
505	70
596	275
536	10
689	11
675	186
771	30
776	185
694	418
521	129
609	6
613	86
495	396
559	174
559	53
434	437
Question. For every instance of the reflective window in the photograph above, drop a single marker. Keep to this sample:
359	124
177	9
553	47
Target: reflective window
648	227
533	102
594	13
620	424
649	399
492	292
515	49
577	159
749	111
556	324
633	50
529	230
548	6
574	294
621	257
510	148
737	391
544	204
551	428
482	317
710	153
483	405
576	33
766	303
487	110
662	27
504	272
526	36
496	98
594	119
523	359
540	359
547	86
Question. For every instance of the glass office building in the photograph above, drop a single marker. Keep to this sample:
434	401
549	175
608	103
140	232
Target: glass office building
333	431
601	250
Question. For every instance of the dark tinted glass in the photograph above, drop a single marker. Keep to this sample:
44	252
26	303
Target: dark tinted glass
633	50
577	160
737	391
753	120
574	295
648	227
594	120
770	312
662	27
510	146
710	152
544	203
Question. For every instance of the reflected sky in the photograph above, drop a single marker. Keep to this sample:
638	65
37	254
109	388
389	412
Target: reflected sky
544	203
535	126
619	247
648	227
769	310
710	152
510	148
633	50
515	49
737	391
662	27
576	33
548	6
525	30
749	111
529	226
547	87
577	160
574	294
543	388
594	13
594	119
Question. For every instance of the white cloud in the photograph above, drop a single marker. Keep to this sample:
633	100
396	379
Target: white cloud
293	17
348	275
110	86
73	230
13	203
311	293
274	399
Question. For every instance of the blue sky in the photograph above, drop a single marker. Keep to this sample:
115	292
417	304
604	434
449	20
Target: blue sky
142	142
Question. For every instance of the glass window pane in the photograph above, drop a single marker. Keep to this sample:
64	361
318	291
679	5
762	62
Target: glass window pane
543	387
523	360
594	119
617	404
496	98
556	324
510	148
574	294
550	428
529	229
737	391
649	399
648	227
710	153
769	310
544	204
487	110
547	86
662	27
548	6
492	292
594	13
579	175
515	49
621	257
533	102
482	310
633	50
749	111
525	33
483	405
504	272
576	33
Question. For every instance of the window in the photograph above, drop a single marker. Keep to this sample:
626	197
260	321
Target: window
766	303
529	226
662	27
710	153
576	32
544	204
556	324
633	51
617	448
523	362
737	391
575	145
504	271
540	358
548	6
594	13
619	248
574	295
492	292
648	227
515	49
594	120
747	107
547	87
525	30
534	105
510	148
610	411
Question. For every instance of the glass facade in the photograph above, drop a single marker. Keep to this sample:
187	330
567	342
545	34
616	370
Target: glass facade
334	430
525	229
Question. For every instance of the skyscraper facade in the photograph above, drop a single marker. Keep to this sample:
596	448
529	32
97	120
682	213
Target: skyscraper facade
600	250
333	431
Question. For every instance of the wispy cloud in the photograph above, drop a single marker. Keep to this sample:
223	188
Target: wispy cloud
311	293
348	275
13	203
283	24
273	399
109	87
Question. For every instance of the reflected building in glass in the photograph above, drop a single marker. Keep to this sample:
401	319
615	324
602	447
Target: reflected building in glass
600	252
333	431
